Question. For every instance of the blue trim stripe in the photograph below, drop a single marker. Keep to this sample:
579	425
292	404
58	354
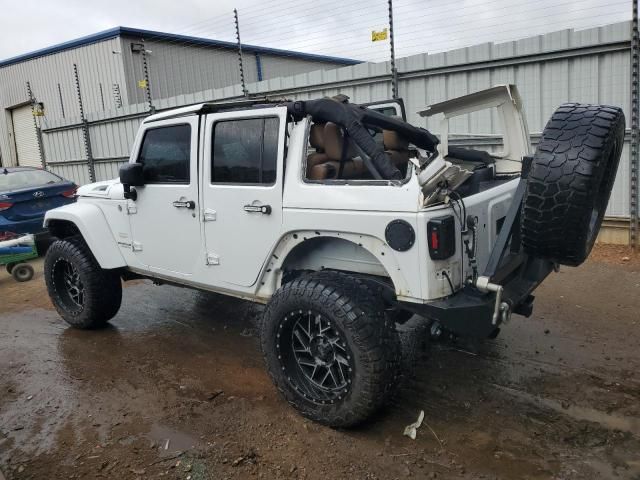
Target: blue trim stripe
153	35
258	66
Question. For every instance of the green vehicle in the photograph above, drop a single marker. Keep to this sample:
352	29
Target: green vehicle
15	253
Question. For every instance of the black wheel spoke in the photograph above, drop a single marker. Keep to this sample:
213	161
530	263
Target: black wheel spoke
70	283
314	356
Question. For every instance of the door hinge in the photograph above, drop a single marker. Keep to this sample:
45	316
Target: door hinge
131	208
209	215
212	259
136	246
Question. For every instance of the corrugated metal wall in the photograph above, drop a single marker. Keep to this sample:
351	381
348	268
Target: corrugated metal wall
591	66
175	68
97	64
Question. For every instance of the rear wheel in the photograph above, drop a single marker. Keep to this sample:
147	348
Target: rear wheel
329	348
85	295
570	181
22	272
9	267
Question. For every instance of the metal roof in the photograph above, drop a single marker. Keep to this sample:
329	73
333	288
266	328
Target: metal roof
154	35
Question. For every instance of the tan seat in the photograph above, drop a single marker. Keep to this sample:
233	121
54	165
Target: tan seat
316	140
329	170
316	136
393	141
397	148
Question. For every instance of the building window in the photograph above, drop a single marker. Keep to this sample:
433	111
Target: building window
165	154
245	151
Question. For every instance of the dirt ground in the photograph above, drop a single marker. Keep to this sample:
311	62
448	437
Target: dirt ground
175	388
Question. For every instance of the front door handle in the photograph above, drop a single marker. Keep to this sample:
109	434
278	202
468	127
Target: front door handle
190	204
264	209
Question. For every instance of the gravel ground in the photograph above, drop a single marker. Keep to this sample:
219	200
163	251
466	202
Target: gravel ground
176	388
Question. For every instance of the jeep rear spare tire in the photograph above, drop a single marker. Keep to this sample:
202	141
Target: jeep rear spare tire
330	348
84	294
570	182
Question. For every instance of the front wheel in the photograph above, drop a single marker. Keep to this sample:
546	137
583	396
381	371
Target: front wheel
330	348
84	294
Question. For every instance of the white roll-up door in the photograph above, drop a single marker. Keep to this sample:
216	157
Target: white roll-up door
24	133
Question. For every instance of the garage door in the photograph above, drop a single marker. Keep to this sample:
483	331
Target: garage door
24	132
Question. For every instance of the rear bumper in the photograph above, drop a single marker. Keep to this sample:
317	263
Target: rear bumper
470	312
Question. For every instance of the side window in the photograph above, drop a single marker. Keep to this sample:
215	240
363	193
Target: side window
165	154
245	151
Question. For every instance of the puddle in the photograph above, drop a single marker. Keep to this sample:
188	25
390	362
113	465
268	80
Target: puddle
170	440
606	420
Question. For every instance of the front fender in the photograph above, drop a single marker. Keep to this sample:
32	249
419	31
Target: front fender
92	224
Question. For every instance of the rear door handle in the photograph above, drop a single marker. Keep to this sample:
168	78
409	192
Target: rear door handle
264	209
190	204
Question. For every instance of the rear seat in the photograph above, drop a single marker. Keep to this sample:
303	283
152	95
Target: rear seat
328	140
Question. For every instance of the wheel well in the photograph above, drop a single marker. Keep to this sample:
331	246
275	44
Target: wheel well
331	253
62	228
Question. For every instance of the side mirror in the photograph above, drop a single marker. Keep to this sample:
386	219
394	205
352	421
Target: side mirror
131	175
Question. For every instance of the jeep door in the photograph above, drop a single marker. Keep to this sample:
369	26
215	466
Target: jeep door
165	227
242	192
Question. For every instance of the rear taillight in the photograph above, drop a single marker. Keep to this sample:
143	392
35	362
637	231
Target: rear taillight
70	193
5	206
441	233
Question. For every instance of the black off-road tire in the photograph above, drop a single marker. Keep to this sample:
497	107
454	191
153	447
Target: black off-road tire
102	289
353	311
570	182
9	267
22	272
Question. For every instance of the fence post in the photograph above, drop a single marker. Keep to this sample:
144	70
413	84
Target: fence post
244	87
147	83
34	113
85	128
61	102
394	70
635	137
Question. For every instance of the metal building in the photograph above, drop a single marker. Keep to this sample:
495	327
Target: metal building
124	66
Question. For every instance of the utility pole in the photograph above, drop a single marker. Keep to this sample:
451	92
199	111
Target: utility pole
244	87
394	70
635	135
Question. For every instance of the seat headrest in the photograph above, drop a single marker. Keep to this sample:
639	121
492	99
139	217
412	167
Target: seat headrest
316	136
393	141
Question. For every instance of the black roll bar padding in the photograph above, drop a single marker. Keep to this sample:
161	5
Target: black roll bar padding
353	118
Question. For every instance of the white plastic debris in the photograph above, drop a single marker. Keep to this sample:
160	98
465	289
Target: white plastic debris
411	430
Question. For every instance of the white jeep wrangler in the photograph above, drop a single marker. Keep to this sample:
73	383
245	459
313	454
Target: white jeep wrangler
344	220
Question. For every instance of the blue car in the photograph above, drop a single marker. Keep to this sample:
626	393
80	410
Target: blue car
25	196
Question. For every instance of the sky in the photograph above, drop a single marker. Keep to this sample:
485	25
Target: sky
331	27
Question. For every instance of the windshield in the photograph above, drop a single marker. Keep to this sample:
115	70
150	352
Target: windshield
23	179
